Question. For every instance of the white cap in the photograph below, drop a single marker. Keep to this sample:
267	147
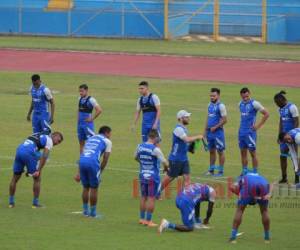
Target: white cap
183	113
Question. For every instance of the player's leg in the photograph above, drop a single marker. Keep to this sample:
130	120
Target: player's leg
84	178
284	150
36	191
220	146
145	132
212	153
172	173
254	160
143	200
237	220
93	201
81	137
265	221
153	189
185	166
244	160
94	181
251	142
45	123
12	189
197	213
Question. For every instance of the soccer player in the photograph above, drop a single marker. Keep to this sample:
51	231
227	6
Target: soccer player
214	132
41	97
289	119
149	105
28	155
248	128
149	156
90	168
85	125
178	159
252	189
292	139
186	201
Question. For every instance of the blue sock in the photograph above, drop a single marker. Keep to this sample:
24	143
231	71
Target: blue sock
254	170
233	234
149	216
267	235
221	169
11	199
142	215
198	220
35	201
211	168
85	207
93	211
171	225
245	169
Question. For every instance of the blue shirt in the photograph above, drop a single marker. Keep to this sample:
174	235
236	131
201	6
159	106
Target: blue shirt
214	114
94	147
149	163
253	186
294	132
287	120
85	108
195	193
248	117
36	142
179	147
40	100
149	110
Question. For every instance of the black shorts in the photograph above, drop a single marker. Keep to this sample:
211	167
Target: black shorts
178	168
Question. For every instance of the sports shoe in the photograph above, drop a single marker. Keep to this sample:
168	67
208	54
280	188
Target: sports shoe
86	213
150	224
209	173
220	174
142	222
232	240
283	181
37	206
11	205
163	225
198	226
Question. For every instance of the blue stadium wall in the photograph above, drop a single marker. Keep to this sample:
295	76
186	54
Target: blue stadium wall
144	19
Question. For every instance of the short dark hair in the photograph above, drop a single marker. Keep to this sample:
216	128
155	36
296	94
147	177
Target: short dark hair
215	90
84	86
280	96
153	133
35	77
58	133
281	136
104	130
144	83
244	90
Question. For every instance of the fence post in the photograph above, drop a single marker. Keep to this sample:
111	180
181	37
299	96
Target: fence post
166	19
264	22
20	16
216	20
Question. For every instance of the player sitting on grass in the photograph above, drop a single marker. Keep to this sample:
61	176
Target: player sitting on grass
149	156
251	189
28	155
90	168
186	202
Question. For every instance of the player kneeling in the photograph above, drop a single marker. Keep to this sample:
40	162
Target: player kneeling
186	201
149	156
251	188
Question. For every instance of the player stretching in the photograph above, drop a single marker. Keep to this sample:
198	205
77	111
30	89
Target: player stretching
149	104
289	119
90	168
248	128
214	132
85	125
41	97
251	189
28	155
178	159
292	139
149	156
186	201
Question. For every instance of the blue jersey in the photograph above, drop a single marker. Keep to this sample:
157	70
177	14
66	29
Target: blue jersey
39	99
36	142
214	114
286	117
195	193
293	133
85	108
149	110
253	186
149	163
248	116
179	147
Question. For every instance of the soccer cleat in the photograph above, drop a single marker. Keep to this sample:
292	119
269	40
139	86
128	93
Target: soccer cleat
142	222
86	213
232	240
150	224
198	226
267	241
220	174
283	181
11	205
209	173
163	225
37	206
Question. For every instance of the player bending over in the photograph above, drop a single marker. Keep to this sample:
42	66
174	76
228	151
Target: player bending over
90	168
149	156
252	189
28	155
186	201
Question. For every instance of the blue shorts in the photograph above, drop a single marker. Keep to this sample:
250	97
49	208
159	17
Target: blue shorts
146	130
40	122
150	188
252	201
89	174
85	130
187	210
216	140
178	168
248	141
284	148
25	158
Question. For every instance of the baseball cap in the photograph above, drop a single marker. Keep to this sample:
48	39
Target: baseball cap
183	113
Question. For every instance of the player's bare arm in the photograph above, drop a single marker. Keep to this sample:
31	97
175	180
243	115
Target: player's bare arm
52	106
158	113
42	162
264	118
30	111
223	120
104	160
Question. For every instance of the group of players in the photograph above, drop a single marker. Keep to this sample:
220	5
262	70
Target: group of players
95	150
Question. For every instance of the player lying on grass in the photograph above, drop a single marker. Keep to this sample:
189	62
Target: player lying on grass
252	189
90	168
28	155
292	139
149	156
186	201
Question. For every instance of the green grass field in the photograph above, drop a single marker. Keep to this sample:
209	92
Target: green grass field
56	228
177	47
